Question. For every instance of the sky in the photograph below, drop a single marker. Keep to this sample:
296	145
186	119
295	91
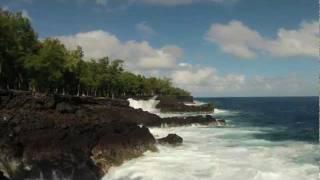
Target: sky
208	47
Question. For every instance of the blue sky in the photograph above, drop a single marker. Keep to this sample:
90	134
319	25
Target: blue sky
209	47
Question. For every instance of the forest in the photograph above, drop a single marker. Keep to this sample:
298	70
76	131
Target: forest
47	66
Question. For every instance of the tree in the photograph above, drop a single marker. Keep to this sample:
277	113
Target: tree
71	81
47	67
17	41
115	69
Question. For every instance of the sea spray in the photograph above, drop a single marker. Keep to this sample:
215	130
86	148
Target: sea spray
224	154
245	150
145	105
150	106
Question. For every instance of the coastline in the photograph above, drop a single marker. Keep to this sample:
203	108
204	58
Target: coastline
71	136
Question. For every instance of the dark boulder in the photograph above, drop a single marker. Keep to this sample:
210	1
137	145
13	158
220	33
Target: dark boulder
172	139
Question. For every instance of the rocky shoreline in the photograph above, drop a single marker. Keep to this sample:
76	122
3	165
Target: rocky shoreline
74	137
178	104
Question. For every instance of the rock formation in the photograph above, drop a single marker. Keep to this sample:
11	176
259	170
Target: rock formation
172	139
68	136
75	137
177	104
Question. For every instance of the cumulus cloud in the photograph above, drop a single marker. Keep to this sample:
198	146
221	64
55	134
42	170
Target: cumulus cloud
145	29
199	79
138	55
241	41
303	41
207	81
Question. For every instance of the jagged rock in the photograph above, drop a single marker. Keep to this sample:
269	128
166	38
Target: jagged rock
172	139
64	107
70	134
177	104
65	135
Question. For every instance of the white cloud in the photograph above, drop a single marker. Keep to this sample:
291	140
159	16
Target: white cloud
207	81
145	29
137	55
300	42
241	41
201	80
173	50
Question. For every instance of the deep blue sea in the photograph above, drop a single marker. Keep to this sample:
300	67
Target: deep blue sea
266	138
289	118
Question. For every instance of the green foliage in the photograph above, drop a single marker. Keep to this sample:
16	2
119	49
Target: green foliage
47	66
17	41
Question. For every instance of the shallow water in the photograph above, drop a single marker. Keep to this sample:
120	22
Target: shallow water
256	145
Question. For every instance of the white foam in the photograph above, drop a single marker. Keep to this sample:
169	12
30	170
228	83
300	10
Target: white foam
219	154
150	106
211	153
146	105
224	112
195	103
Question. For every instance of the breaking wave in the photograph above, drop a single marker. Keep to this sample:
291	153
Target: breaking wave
221	153
145	105
208	153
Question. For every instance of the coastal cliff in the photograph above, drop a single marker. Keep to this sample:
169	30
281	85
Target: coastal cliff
68	136
75	137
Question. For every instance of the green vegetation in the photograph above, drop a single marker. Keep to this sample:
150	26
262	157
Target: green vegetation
46	66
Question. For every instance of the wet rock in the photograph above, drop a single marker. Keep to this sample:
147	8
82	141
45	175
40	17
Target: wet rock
59	136
177	104
172	139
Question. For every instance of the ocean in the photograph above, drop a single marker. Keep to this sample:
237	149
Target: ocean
266	138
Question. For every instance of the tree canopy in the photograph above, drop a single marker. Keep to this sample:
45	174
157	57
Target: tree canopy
47	66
